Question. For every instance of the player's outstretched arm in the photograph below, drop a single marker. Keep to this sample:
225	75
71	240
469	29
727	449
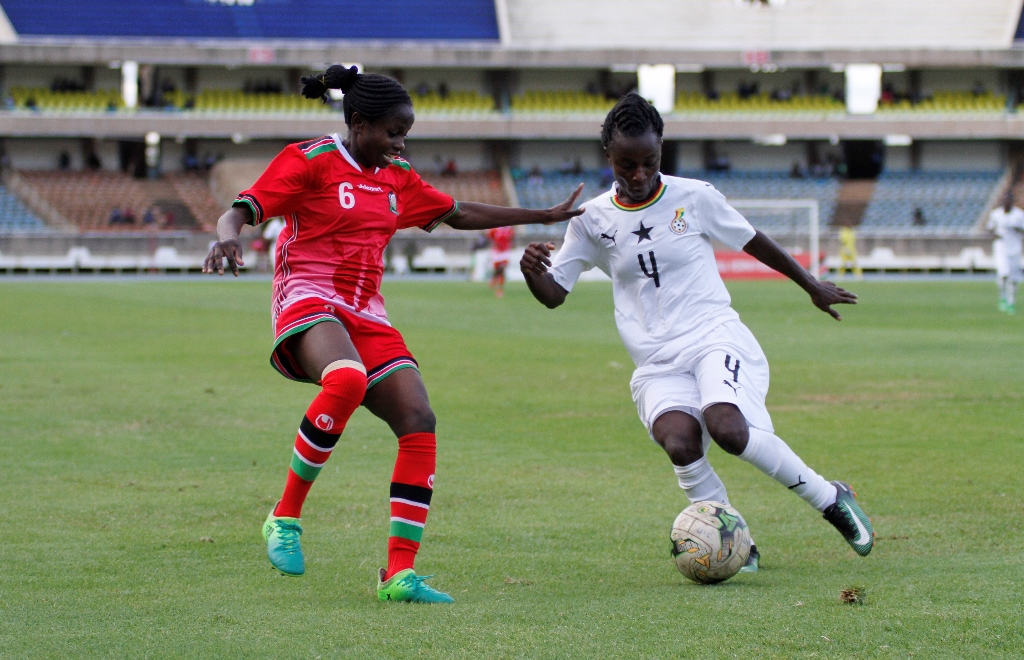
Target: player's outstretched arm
543	286
472	215
227	245
823	294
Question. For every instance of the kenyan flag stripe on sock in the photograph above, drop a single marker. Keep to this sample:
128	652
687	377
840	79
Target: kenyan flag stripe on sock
406	529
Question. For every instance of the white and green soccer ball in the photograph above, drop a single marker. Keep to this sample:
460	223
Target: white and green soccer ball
710	542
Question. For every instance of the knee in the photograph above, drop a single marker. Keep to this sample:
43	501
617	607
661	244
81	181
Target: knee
682	450
417	419
728	429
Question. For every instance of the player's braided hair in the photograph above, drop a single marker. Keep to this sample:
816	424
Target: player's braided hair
370	94
631	116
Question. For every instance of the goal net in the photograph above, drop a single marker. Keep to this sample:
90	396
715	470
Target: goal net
792	223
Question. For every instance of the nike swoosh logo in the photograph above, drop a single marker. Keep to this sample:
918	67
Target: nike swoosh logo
863	536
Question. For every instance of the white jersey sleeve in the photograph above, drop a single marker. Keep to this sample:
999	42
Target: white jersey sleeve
993	220
579	253
720	221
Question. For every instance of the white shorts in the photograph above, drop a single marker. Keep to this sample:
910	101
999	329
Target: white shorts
500	257
726	365
1007	265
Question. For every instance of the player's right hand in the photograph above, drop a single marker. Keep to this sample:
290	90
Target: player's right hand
231	250
536	259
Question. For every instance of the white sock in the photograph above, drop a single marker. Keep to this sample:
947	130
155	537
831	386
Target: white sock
769	454
1009	291
700	482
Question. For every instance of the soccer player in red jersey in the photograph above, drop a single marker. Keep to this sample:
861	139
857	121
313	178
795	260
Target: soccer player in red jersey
501	244
343	200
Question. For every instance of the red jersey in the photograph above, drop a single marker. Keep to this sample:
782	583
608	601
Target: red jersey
501	238
339	218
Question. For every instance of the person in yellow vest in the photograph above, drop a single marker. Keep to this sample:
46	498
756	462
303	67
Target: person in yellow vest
848	252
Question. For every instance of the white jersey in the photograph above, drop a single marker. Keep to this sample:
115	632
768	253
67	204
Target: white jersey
1009	228
665	283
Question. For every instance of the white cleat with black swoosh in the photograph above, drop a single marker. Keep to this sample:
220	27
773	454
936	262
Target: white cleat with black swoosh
851	521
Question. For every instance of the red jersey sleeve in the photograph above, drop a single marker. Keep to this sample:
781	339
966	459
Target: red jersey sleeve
423	205
279	189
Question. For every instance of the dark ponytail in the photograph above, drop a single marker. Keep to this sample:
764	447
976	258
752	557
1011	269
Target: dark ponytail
632	116
370	94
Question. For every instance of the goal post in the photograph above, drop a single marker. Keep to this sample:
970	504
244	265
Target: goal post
793	223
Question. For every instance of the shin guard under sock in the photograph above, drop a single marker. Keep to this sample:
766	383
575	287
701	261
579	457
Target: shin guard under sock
769	454
344	386
700	482
412	485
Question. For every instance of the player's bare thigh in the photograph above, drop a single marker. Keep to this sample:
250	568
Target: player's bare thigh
321	345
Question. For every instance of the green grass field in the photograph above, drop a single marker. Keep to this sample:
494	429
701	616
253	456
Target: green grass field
139	418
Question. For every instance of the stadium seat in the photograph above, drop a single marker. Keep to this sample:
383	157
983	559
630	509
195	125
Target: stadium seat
14	217
86	199
951	202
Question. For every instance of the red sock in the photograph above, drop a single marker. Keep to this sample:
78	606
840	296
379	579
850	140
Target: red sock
412	484
343	391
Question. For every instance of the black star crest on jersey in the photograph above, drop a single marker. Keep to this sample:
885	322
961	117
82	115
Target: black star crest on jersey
643	233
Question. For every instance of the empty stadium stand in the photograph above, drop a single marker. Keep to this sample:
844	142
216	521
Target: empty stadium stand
561	101
949	202
696	102
87	199
774	185
14	217
540	190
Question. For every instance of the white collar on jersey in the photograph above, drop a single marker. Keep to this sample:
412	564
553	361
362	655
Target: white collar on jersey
345	153
348	156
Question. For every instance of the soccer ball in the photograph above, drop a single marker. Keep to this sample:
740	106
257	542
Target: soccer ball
710	542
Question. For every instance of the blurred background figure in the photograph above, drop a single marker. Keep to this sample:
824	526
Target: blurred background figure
1007	223
501	244
848	253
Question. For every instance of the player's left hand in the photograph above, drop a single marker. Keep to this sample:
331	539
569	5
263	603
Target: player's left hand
826	294
564	211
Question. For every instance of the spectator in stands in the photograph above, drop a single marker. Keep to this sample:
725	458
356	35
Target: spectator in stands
129	217
64	161
450	168
919	219
536	177
190	163
92	162
116	217
422	89
442	90
797	171
149	217
979	88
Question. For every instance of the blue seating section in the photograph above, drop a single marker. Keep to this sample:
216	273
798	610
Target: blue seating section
774	185
15	217
550	188
257	19
950	201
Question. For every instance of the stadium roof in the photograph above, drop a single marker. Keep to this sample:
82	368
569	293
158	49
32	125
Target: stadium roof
516	33
780	25
256	19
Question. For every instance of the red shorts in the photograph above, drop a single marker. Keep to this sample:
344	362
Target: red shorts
381	348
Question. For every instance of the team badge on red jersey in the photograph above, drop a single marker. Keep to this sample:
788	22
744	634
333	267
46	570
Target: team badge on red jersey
393	202
678	224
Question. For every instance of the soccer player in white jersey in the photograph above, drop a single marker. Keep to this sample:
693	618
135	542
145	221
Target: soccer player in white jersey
1007	222
700	374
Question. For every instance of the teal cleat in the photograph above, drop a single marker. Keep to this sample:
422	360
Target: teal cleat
1011	309
1002	304
283	549
407	587
851	521
753	561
